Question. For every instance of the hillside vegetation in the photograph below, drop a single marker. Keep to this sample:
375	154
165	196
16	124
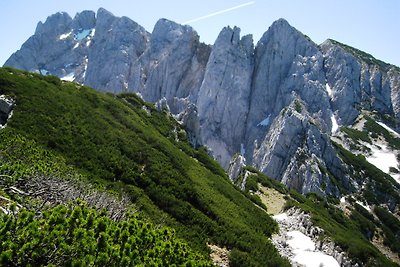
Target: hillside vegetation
122	145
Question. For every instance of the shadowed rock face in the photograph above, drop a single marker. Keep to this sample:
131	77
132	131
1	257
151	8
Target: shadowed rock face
273	103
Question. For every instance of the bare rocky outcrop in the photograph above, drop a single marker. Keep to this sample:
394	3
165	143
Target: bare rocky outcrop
297	153
6	106
117	43
286	61
223	100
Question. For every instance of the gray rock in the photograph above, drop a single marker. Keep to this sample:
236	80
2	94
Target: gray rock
393	77
286	61
6	106
191	120
297	153
223	100
117	44
57	47
236	167
173	65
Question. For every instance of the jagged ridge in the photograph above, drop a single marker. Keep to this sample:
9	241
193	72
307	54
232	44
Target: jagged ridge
230	94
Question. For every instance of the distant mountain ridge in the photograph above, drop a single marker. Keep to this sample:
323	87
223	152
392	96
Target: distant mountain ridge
276	103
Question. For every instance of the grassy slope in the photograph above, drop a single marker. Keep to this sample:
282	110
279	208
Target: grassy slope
112	141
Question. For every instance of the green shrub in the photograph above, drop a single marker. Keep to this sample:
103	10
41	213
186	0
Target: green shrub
78	235
111	141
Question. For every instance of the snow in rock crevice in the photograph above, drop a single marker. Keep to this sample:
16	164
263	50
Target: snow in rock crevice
383	158
367	207
65	35
265	122
69	77
86	62
242	150
44	72
329	90
396	134
335	125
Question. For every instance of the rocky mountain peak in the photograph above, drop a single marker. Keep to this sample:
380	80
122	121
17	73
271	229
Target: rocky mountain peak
55	23
84	20
168	35
223	99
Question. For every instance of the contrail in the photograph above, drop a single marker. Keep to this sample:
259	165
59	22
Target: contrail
219	12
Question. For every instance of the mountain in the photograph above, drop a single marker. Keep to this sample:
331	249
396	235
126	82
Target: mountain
118	155
230	94
321	119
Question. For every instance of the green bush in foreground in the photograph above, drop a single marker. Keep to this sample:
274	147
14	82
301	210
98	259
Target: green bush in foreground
124	145
80	236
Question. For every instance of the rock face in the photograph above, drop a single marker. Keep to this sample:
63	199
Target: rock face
117	43
6	106
297	151
285	62
224	95
276	104
59	46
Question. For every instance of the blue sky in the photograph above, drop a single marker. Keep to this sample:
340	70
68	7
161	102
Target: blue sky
370	25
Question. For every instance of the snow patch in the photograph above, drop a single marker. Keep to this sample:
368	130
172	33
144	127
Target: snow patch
335	125
343	200
388	128
315	259
85	67
139	95
65	35
304	252
299	241
242	150
363	205
265	122
383	159
7	99
69	77
329	90
280	217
